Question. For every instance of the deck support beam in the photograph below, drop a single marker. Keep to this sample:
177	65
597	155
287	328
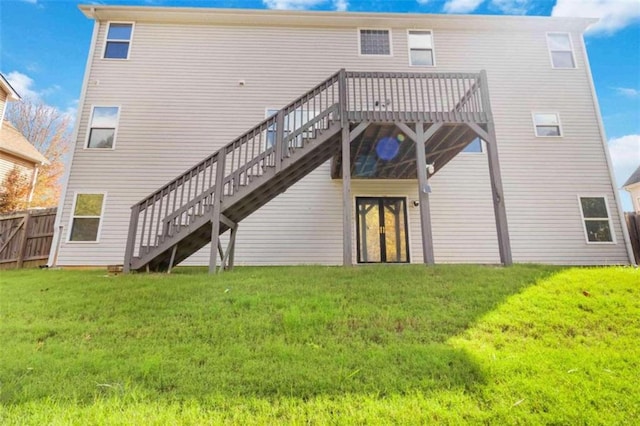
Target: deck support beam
347	208
216	213
504	243
424	190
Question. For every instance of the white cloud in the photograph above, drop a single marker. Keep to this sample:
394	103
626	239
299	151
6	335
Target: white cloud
341	5
625	156
613	14
512	7
461	6
30	1
292	4
23	84
25	87
627	91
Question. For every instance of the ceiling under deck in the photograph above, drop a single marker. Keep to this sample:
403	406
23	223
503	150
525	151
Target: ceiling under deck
384	151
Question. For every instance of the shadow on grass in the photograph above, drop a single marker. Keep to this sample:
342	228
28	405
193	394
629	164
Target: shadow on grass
255	332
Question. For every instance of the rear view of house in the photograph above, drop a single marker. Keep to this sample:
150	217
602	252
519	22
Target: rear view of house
279	137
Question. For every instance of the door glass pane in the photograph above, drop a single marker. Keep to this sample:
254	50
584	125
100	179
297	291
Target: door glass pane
395	230
369	230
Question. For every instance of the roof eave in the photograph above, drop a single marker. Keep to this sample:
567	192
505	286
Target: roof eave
268	17
38	161
12	95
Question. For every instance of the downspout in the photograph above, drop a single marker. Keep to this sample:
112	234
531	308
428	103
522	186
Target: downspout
605	147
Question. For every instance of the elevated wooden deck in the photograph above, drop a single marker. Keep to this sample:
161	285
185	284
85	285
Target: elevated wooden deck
380	125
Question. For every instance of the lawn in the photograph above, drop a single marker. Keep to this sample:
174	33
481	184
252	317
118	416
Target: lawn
321	345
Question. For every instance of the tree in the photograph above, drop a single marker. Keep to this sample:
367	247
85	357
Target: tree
14	191
49	130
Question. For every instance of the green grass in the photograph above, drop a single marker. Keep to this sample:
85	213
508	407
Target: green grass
319	345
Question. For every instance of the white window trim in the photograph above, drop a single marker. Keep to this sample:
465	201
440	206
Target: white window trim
535	126
573	54
433	48
72	216
375	56
89	127
106	35
584	227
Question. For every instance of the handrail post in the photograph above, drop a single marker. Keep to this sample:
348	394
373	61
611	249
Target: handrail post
342	96
279	140
131	238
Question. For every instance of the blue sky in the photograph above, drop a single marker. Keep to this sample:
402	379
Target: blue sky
44	45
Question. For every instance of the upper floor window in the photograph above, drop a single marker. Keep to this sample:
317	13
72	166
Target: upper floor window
595	215
547	124
102	131
421	48
87	213
375	42
561	50
118	41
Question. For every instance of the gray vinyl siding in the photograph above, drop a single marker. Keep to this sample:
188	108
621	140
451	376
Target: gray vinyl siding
180	100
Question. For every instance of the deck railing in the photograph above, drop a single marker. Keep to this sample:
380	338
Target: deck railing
410	97
345	96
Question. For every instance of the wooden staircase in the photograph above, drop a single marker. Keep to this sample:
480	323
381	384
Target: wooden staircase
212	197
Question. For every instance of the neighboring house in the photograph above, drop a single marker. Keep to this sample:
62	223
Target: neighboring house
15	150
7	94
166	88
632	185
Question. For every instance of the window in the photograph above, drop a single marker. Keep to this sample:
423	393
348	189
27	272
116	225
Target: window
102	132
292	121
474	146
560	50
547	124
421	48
87	212
375	42
118	41
595	215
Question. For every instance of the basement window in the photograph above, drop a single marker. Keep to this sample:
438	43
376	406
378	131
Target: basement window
561	50
420	48
547	124
102	131
87	214
596	219
118	40
375	42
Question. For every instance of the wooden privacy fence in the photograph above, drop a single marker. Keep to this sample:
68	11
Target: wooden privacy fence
633	225
25	238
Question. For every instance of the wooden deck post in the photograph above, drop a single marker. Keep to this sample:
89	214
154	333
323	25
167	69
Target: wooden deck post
215	214
131	238
423	190
504	244
347	209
